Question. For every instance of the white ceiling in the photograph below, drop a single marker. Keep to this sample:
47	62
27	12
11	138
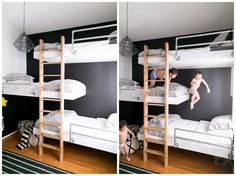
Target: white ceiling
49	16
165	19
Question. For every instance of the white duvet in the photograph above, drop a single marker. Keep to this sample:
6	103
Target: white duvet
175	90
188	129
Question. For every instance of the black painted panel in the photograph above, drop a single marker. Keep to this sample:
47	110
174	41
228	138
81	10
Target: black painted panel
218	102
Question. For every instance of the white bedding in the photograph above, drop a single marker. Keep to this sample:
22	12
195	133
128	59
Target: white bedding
91	132
177	94
183	134
197	58
99	51
73	89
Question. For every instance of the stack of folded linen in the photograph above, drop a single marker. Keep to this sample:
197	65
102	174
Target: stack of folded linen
17	83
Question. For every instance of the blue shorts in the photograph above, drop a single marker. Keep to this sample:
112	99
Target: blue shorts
153	75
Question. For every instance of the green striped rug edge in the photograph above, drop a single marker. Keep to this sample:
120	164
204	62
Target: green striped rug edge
145	171
56	168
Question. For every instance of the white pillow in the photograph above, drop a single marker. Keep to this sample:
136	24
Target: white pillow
223	122
18	76
70	85
112	121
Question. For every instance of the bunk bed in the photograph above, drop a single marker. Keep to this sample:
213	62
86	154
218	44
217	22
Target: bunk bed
130	91
216	54
195	136
185	134
81	129
84	52
73	89
98	133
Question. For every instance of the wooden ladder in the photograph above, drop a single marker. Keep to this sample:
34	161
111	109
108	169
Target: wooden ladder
42	99
148	139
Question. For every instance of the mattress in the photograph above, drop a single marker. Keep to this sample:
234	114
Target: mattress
90	132
100	51
193	59
189	130
137	95
30	91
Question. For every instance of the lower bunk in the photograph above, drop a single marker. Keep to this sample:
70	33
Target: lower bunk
213	138
97	133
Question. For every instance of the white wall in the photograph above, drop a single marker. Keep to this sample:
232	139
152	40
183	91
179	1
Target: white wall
12	59
125	65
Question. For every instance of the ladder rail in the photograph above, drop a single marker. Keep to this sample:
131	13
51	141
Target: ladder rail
42	123
145	111
146	150
167	81
41	95
62	99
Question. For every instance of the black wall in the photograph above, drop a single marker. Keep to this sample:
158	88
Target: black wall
100	79
218	102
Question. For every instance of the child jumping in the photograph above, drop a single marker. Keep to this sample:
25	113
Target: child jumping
195	84
160	74
123	135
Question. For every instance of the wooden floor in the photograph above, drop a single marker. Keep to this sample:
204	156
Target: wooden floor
180	162
77	159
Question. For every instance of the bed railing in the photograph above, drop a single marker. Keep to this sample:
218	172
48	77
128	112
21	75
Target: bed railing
74	40
177	46
230	156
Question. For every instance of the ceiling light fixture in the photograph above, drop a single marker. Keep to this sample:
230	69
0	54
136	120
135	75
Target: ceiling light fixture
23	42
127	48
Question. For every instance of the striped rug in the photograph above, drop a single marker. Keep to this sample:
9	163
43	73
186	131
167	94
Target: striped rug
13	163
130	169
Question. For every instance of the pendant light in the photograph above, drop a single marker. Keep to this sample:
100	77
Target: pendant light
23	42
126	46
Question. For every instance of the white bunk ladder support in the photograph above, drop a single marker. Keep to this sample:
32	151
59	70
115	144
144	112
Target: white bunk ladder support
43	133
165	104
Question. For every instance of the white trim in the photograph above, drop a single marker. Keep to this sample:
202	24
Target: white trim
9	135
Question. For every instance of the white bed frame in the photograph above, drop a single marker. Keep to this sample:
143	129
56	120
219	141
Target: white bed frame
195	58
100	51
29	92
136	95
198	146
80	137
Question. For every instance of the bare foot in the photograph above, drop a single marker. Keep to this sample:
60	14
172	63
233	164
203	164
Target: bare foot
191	106
127	158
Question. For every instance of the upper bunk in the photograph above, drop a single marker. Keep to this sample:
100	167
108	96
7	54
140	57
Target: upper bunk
215	54
23	85
103	49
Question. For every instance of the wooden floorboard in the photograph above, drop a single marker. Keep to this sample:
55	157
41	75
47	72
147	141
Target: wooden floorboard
77	159
180	162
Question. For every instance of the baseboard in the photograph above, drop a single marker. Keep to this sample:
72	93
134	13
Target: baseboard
9	135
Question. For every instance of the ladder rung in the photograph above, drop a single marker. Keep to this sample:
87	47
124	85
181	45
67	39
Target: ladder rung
57	50
51	99
157	80
155	128
50	111
48	63
154	116
153	68
155	104
155	152
52	75
49	135
50	123
50	146
156	141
